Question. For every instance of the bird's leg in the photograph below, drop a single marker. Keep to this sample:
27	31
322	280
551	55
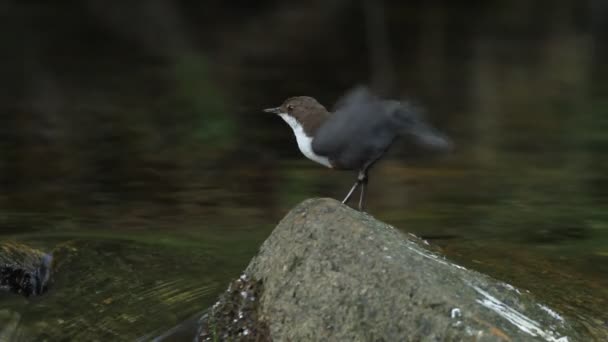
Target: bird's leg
351	191
363	180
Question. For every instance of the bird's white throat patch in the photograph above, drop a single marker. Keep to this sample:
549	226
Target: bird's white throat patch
304	141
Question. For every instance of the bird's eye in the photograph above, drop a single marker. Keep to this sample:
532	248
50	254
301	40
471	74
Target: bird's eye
290	107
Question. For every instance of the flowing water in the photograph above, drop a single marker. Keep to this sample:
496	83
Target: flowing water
156	182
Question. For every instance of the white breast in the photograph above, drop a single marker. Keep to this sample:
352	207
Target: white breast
304	141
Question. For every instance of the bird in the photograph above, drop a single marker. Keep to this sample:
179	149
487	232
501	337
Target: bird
358	132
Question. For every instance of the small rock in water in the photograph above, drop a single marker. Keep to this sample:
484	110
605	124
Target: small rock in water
24	270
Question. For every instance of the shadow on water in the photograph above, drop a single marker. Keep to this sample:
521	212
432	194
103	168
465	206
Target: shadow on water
146	162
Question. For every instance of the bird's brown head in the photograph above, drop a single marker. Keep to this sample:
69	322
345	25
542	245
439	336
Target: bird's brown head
307	111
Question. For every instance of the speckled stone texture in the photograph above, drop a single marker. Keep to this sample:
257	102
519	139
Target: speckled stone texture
331	273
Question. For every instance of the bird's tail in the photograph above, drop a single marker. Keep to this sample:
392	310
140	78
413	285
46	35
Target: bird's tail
412	125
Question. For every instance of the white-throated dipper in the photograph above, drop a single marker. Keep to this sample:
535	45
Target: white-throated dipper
357	133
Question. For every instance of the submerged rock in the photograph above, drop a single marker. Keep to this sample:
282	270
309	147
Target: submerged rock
329	273
24	270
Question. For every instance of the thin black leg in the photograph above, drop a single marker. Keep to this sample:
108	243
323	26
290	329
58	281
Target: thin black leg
351	192
363	180
362	194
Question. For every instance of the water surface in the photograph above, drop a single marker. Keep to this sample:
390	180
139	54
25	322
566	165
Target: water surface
156	176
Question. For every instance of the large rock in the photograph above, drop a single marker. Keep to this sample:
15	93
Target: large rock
329	273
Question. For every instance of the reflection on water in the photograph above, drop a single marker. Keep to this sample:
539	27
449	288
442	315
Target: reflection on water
156	175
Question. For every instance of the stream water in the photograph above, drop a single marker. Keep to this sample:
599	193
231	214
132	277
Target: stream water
158	182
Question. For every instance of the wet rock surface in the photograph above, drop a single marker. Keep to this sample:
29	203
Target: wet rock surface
330	273
24	270
235	317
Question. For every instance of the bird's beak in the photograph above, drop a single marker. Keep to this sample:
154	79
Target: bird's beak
276	110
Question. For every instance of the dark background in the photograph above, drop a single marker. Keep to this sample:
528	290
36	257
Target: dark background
141	121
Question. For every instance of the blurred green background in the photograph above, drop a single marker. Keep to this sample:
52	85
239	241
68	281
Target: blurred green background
132	139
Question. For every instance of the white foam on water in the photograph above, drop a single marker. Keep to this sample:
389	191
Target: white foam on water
516	318
511	287
551	313
521	321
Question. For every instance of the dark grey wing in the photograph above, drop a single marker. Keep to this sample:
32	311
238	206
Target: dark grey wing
355	136
355	97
